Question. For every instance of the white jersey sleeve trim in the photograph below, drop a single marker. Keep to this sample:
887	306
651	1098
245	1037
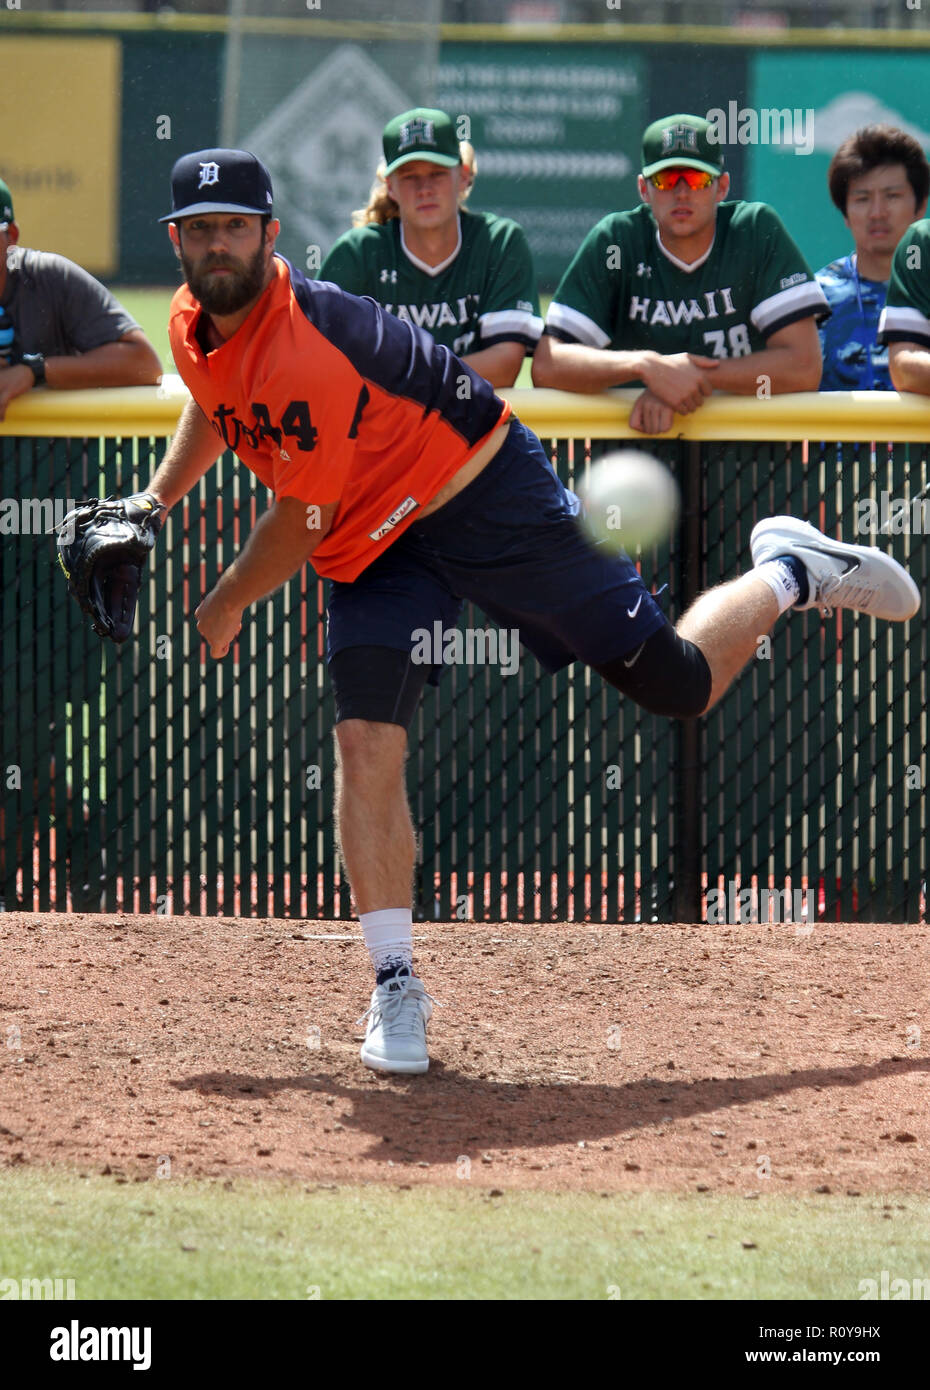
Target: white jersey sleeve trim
510	323
902	323
788	305
576	325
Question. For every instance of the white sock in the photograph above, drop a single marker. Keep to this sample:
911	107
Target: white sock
389	937
781	581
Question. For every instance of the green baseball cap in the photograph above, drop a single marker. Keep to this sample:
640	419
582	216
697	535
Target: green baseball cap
6	203
681	140
422	133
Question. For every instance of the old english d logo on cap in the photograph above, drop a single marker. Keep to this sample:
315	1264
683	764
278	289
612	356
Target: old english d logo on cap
209	173
219	180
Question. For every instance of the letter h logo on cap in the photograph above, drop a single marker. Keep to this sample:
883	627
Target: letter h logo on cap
418	132
679	137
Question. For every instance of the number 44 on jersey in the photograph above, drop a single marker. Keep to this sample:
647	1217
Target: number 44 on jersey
295	423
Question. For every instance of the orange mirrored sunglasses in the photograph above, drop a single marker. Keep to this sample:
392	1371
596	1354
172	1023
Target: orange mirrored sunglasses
666	179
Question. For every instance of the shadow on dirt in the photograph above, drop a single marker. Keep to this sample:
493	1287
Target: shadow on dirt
445	1114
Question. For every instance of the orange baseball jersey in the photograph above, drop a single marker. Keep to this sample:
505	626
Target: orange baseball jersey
328	398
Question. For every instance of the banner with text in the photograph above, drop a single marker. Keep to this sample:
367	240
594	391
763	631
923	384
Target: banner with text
557	133
59	156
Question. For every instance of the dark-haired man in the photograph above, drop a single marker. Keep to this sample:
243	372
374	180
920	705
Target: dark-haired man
879	179
685	295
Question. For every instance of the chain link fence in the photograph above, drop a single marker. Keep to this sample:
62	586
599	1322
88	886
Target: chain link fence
151	778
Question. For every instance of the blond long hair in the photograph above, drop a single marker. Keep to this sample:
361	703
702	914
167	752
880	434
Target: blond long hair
381	206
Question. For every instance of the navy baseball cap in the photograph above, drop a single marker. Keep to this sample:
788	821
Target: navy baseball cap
219	181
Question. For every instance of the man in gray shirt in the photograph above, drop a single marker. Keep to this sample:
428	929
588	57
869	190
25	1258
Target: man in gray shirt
61	327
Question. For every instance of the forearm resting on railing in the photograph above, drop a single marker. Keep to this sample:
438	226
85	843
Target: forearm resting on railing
909	365
771	371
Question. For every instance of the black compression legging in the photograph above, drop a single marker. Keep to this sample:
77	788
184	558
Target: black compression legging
668	676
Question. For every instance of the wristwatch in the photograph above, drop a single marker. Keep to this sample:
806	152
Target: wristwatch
35	361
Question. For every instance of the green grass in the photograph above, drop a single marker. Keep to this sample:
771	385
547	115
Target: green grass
279	1240
150	310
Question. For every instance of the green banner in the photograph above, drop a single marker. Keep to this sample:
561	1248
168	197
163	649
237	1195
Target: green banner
169	107
556	129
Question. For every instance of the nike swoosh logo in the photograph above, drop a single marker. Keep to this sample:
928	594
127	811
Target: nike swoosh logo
851	562
635	657
631	612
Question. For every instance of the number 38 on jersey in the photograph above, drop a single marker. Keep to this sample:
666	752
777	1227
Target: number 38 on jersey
729	342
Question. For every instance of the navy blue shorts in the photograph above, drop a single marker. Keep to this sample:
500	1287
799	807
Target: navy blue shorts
511	543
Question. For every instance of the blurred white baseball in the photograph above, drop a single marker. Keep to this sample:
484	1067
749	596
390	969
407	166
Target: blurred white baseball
631	500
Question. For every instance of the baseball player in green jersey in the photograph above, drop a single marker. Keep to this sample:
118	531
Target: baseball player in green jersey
686	294
905	321
466	277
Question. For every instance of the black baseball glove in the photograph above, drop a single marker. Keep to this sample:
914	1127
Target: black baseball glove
102	547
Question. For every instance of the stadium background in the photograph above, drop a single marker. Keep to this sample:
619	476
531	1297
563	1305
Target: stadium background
556	114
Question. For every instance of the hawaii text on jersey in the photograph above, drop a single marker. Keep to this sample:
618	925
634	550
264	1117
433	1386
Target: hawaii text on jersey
624	290
484	293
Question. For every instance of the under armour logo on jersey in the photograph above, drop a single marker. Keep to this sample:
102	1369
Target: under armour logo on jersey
679	137
209	174
643	269
418	132
389	275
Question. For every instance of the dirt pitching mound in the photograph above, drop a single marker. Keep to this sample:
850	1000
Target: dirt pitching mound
564	1057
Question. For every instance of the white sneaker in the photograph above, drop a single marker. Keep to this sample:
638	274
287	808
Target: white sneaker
395	1039
841	575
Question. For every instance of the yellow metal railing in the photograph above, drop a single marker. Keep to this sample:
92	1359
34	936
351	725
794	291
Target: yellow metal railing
763	36
123	411
839	415
834	415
